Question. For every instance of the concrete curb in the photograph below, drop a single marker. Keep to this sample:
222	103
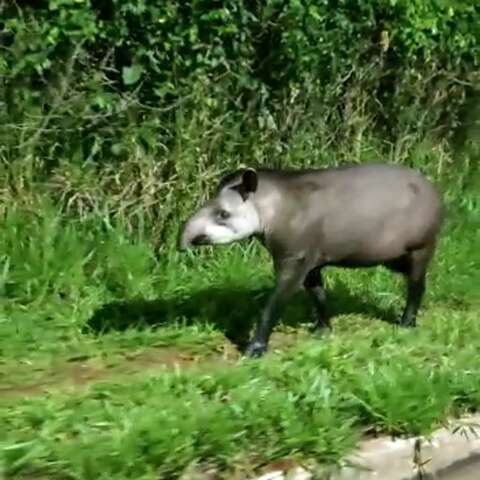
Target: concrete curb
444	455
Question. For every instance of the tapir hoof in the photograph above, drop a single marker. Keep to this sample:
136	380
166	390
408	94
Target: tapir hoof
256	349
320	328
407	322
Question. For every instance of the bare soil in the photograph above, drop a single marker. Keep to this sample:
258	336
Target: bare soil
83	371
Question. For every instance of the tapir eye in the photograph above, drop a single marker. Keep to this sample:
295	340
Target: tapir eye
223	214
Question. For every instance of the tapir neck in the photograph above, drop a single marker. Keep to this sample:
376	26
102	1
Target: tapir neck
268	201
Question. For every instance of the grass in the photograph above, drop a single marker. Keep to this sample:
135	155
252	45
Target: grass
119	362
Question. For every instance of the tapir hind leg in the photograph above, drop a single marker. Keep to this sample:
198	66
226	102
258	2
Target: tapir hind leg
313	284
415	273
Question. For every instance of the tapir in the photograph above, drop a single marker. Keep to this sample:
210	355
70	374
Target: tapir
352	216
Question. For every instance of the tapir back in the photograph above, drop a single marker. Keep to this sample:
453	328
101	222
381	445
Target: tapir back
366	213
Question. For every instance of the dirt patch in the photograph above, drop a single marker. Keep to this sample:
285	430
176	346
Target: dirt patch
80	373
82	370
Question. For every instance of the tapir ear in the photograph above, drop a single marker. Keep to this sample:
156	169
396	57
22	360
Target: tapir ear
249	180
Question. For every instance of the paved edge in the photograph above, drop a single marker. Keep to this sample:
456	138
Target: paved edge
444	452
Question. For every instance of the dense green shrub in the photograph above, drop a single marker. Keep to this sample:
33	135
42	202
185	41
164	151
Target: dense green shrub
187	88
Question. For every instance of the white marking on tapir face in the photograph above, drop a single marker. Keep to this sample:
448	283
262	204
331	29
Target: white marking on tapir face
228	218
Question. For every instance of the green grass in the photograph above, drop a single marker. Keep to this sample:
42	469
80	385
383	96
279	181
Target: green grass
86	294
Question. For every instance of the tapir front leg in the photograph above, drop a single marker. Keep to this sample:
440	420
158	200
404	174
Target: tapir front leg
289	278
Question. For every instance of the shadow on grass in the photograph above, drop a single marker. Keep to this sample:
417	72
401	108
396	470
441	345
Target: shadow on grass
233	310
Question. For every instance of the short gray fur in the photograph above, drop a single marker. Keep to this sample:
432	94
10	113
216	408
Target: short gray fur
351	216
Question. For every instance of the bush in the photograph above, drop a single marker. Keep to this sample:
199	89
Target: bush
154	97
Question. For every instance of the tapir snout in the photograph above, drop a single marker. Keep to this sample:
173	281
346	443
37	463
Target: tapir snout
191	233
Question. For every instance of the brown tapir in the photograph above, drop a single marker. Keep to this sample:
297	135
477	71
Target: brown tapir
350	216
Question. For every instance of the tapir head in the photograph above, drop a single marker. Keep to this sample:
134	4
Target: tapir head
229	216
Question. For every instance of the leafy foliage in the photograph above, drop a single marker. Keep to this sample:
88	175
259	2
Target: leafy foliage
189	88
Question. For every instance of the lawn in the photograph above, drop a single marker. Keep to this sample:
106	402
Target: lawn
118	362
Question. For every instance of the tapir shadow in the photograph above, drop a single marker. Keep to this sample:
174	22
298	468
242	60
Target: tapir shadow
232	310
